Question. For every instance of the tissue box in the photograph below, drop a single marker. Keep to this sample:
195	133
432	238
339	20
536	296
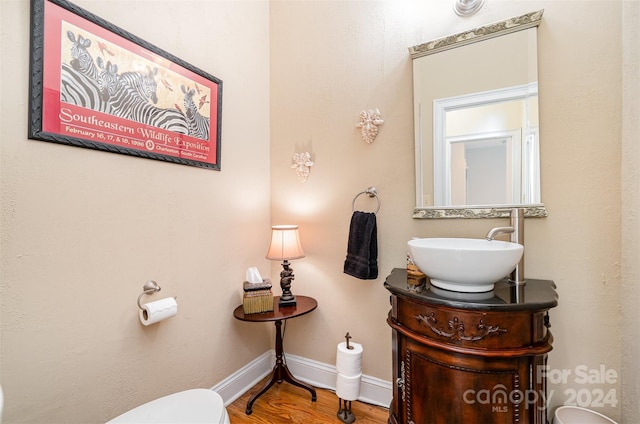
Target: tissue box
257	297
265	284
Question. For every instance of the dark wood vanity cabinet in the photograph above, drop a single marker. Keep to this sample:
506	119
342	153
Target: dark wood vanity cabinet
469	357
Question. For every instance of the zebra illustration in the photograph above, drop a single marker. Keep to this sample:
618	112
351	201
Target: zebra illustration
81	59
143	84
80	90
128	96
198	124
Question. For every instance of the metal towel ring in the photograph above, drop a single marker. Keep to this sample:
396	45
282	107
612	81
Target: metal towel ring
371	192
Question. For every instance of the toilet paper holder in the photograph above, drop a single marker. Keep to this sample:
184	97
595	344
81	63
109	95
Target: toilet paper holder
148	288
345	413
347	337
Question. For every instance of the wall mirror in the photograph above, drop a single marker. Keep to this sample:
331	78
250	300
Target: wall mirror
476	122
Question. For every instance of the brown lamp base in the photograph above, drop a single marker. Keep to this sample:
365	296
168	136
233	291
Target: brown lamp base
287	302
286	277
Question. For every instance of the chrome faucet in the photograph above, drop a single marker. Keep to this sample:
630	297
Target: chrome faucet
516	229
499	230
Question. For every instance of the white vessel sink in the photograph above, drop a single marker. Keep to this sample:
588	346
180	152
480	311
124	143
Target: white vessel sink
463	264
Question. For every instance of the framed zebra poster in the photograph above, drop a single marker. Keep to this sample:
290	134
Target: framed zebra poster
97	86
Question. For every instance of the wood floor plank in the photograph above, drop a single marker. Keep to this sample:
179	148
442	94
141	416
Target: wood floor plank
285	403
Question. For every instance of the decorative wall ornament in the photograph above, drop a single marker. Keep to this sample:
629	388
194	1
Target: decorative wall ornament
369	121
302	164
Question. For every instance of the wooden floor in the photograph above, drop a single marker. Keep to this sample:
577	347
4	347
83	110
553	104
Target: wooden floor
285	403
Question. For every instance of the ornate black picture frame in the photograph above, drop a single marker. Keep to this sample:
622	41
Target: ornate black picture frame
95	85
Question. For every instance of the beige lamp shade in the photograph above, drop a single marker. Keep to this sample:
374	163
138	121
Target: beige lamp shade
285	243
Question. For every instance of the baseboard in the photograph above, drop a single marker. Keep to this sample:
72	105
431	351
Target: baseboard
372	390
238	383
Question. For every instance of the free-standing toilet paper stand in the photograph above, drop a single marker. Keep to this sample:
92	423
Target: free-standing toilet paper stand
344	406
280	373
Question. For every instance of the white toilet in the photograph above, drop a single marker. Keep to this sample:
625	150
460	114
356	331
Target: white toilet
190	406
577	415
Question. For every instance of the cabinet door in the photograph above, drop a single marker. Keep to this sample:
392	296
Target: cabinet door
448	388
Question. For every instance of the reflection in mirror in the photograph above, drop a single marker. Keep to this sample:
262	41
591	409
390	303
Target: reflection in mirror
486	148
476	115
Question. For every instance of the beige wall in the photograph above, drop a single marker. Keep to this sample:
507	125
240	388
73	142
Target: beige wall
82	230
630	220
330	60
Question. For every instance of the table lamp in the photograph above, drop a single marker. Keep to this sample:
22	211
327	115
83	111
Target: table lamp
285	245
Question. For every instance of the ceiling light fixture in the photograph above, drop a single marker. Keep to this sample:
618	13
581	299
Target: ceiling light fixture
467	7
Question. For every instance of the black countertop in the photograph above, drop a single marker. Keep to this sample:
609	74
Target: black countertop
505	296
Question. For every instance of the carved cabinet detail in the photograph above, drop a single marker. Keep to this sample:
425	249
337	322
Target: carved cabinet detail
469	360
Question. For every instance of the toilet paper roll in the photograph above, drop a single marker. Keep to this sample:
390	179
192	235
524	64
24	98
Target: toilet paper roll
348	388
349	361
159	310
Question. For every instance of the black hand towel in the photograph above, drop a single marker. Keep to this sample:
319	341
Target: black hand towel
362	248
